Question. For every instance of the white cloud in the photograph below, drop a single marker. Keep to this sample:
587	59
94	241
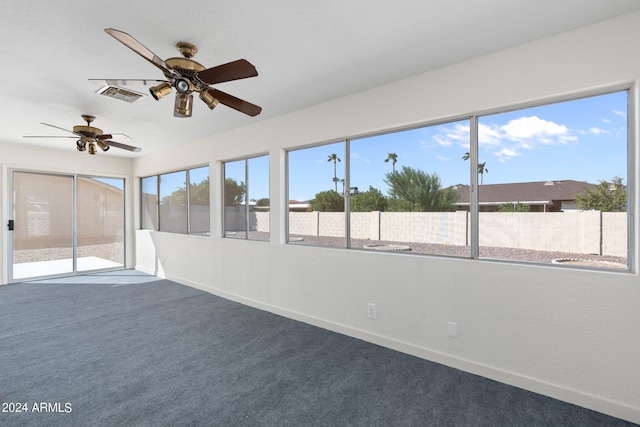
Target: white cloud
620	113
358	157
489	135
506	153
459	134
536	128
513	138
597	131
593	131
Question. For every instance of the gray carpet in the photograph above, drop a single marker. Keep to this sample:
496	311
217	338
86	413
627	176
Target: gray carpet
127	349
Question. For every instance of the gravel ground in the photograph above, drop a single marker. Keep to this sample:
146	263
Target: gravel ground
510	254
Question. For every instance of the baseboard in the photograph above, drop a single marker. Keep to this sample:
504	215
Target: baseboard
575	397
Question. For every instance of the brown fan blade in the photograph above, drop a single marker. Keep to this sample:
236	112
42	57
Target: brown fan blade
123	146
137	47
58	127
235	103
240	69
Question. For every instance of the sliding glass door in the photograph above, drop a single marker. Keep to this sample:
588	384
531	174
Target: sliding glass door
100	223
42	225
65	224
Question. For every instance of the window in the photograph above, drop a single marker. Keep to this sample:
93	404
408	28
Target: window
404	190
246	198
173	202
149	203
316	205
176	202
199	213
554	185
551	186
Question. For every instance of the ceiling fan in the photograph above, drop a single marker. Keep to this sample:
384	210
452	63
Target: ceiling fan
187	76
89	136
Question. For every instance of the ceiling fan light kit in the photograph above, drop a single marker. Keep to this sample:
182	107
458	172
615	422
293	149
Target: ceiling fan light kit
160	90
183	105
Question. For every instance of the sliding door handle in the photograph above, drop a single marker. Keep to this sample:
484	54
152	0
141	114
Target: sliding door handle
10	225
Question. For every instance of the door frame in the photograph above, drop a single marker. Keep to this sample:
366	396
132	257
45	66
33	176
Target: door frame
9	215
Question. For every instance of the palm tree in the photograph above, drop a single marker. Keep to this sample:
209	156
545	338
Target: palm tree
482	169
393	157
334	158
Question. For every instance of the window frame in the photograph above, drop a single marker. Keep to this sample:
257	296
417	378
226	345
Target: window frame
158	217
631	137
247	210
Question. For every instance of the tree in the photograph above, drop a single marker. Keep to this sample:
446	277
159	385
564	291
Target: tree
514	207
605	197
334	158
368	201
263	203
233	192
393	158
414	190
328	201
178	197
199	193
482	167
482	170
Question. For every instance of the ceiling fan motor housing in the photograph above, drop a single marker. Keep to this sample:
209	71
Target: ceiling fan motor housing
187	68
88	131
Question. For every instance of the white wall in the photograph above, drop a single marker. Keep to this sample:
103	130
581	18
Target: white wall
14	156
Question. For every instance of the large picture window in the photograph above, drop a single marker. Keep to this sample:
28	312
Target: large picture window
176	202
554	187
404	190
544	184
246	198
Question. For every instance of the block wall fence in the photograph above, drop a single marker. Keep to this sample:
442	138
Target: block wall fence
581	232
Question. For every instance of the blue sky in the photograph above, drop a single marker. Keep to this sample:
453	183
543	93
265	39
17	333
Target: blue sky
584	140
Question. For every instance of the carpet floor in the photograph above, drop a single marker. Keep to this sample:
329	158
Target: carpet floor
128	349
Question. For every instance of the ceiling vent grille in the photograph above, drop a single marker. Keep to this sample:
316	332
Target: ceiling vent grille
120	93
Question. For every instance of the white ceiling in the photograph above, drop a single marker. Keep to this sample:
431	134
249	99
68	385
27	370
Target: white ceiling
305	52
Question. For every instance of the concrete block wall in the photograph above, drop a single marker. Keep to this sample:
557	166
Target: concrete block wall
588	232
614	233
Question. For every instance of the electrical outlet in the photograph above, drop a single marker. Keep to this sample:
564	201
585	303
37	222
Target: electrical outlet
371	311
452	329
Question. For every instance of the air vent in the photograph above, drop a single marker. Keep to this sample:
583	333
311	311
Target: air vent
120	93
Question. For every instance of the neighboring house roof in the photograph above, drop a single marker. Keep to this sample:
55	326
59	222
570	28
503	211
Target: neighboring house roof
530	193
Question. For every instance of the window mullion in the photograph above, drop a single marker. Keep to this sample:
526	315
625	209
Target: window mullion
473	187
